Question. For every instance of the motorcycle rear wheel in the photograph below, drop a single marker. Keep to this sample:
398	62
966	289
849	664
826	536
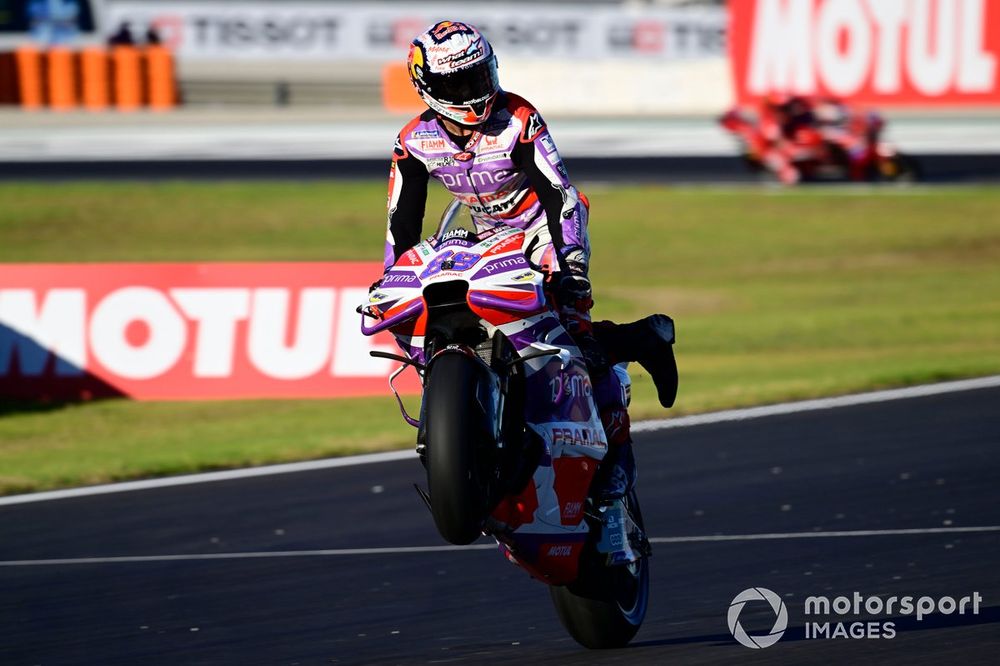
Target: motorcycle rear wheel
605	607
900	168
458	494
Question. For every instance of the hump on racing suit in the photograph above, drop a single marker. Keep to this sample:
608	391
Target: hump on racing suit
507	172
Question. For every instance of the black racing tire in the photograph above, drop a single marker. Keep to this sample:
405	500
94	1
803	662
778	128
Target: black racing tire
454	432
604	608
902	168
607	613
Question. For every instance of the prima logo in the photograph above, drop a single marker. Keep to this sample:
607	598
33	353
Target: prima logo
780	621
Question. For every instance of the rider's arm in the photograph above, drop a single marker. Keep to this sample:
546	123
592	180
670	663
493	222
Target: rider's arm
407	200
537	156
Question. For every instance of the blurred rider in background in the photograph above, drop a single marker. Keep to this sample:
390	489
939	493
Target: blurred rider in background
796	128
493	152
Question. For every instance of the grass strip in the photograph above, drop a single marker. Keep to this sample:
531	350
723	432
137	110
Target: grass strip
778	295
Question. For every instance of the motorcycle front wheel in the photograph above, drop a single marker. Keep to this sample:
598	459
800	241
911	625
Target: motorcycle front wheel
455	432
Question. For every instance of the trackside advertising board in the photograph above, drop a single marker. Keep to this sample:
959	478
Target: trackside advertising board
189	331
381	31
879	52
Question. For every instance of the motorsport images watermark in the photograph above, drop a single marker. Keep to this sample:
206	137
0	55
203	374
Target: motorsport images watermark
821	614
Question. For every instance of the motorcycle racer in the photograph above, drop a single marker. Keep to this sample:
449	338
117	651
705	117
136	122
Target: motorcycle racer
493	152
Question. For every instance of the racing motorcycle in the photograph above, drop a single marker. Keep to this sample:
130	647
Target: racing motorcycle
508	431
819	160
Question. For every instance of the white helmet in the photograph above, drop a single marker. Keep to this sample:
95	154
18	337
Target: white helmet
454	69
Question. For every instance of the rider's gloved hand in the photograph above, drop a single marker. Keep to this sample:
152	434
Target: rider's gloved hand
375	285
576	297
574	291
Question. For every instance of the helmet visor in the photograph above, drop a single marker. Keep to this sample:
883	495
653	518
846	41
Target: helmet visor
465	86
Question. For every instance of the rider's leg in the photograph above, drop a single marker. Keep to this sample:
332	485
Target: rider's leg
855	149
617	473
649	342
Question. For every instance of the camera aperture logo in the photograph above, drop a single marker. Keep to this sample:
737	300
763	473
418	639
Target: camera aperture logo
852	617
780	620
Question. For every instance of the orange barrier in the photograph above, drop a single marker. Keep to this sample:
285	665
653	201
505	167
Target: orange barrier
127	77
160	75
94	76
29	77
8	78
61	79
127	67
398	94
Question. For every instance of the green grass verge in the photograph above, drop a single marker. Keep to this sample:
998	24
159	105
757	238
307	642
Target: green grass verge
777	295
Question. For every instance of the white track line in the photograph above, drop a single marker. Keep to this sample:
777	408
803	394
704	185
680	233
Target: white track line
392	456
341	552
207	477
825	535
822	403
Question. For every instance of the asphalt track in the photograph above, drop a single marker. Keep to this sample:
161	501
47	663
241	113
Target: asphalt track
824	490
938	168
324	143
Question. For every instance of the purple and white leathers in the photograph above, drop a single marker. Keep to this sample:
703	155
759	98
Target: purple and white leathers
505	169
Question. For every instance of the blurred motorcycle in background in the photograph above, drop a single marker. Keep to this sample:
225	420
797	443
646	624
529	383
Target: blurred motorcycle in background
805	139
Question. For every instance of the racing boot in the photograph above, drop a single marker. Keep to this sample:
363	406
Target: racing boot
649	342
618	472
620	538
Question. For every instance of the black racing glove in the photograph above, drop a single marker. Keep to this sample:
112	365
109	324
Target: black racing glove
574	291
576	297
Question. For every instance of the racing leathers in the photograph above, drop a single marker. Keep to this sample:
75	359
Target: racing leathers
508	171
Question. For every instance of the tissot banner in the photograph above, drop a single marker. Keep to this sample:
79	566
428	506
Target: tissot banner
382	31
189	331
879	52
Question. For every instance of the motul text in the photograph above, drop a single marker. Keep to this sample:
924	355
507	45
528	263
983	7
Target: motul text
187	330
903	52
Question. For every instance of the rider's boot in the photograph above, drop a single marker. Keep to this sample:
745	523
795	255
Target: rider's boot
620	539
618	472
649	342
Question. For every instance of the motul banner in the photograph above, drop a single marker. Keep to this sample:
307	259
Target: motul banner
879	52
188	331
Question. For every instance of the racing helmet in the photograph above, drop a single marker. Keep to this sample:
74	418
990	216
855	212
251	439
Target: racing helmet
454	70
